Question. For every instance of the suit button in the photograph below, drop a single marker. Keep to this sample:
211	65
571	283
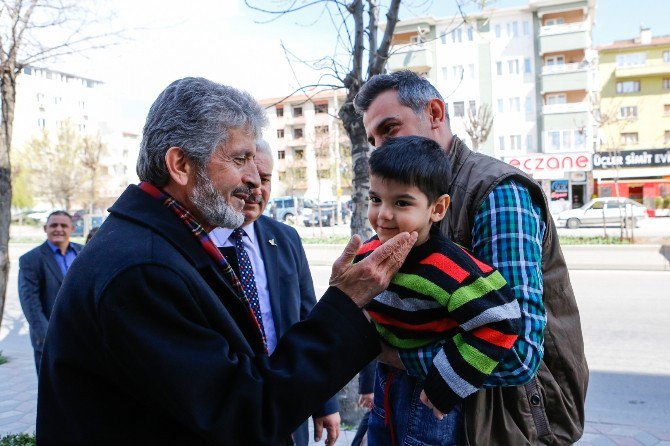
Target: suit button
535	399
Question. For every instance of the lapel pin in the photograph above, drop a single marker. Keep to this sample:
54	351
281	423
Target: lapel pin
272	242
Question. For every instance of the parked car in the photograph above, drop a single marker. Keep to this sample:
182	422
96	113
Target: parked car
325	212
610	209
282	208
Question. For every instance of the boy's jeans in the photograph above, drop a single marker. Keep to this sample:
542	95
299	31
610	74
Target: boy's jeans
414	423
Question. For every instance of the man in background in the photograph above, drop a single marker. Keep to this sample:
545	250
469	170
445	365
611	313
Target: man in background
279	278
40	276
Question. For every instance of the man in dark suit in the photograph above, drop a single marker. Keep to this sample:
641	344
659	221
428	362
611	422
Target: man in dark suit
282	278
40	276
153	339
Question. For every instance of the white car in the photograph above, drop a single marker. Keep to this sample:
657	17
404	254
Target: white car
608	210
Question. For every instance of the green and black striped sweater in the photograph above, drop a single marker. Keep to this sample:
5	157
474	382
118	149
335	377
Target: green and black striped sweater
443	293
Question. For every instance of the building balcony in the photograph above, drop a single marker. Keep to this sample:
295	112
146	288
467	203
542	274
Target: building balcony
651	68
573	78
417	57
293	142
571	36
298	120
565	68
571	107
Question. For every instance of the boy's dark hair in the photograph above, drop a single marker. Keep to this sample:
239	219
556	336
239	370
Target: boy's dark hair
413	90
415	161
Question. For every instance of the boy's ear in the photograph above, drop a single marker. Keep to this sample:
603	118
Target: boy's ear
440	208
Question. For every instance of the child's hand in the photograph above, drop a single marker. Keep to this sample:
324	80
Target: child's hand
424	399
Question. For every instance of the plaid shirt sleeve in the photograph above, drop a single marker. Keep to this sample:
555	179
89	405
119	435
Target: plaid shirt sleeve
507	233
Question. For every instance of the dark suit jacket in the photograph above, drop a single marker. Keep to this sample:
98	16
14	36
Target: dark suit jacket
291	289
149	344
40	279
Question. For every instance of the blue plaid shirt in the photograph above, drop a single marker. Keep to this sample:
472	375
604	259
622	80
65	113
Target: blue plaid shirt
507	233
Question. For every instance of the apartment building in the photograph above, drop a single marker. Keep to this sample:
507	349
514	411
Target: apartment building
534	68
309	148
46	99
635	118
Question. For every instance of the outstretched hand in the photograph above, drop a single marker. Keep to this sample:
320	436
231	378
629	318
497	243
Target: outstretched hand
364	280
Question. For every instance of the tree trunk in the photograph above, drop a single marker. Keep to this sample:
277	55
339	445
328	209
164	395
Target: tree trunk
8	96
360	151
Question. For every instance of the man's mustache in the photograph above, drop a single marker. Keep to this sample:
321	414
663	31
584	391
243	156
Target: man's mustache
251	197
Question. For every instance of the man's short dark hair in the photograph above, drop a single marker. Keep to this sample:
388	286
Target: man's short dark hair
413	90
415	161
59	212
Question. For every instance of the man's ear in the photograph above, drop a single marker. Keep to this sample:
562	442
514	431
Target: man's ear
178	166
436	115
440	208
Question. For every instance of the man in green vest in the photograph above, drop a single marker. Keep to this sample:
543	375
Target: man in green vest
536	394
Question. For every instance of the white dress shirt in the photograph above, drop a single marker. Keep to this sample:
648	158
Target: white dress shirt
221	238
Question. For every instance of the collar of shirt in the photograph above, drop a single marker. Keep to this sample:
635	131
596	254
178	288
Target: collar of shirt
56	250
221	236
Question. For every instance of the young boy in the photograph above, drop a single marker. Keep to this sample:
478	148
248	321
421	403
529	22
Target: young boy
441	296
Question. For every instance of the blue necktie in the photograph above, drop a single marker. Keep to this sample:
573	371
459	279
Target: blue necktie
247	276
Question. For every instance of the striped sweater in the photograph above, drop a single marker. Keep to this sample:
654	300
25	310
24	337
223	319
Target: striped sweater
442	294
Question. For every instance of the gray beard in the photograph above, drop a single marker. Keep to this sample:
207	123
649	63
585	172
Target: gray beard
212	206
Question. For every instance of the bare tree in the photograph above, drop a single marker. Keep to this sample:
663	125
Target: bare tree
478	125
25	28
92	149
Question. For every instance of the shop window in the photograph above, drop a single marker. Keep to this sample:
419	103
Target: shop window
628	87
629	138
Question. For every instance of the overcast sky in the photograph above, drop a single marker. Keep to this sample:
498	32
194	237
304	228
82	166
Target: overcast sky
220	40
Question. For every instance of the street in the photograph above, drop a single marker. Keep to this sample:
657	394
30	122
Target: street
625	319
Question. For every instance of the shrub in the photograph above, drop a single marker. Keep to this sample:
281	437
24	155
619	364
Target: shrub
3	359
18	440
658	203
666	202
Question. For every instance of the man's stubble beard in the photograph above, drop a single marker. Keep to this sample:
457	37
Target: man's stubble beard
214	209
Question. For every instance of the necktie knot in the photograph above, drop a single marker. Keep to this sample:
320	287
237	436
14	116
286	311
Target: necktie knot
237	234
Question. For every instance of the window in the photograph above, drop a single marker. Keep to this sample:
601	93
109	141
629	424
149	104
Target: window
515	142
41	123
666	56
526	28
529	143
666	84
509	30
553	99
529	105
280	112
443	37
459	109
321	130
27	70
58	100
666	109
569	139
280	133
513	66
499	68
667	137
457	35
628	112
554	60
515	104
501	142
527	67
554	140
470	33
554	22
40	97
631	59
281	154
458	71
299	154
321	108
515	29
473	108
497	28
629	138
471	71
445	72
297	133
501	106
297	112
82	105
628	87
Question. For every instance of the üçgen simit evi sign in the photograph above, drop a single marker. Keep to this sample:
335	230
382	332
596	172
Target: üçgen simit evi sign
551	165
632	158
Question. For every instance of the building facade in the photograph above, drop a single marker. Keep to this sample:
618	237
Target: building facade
533	67
634	160
310	150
